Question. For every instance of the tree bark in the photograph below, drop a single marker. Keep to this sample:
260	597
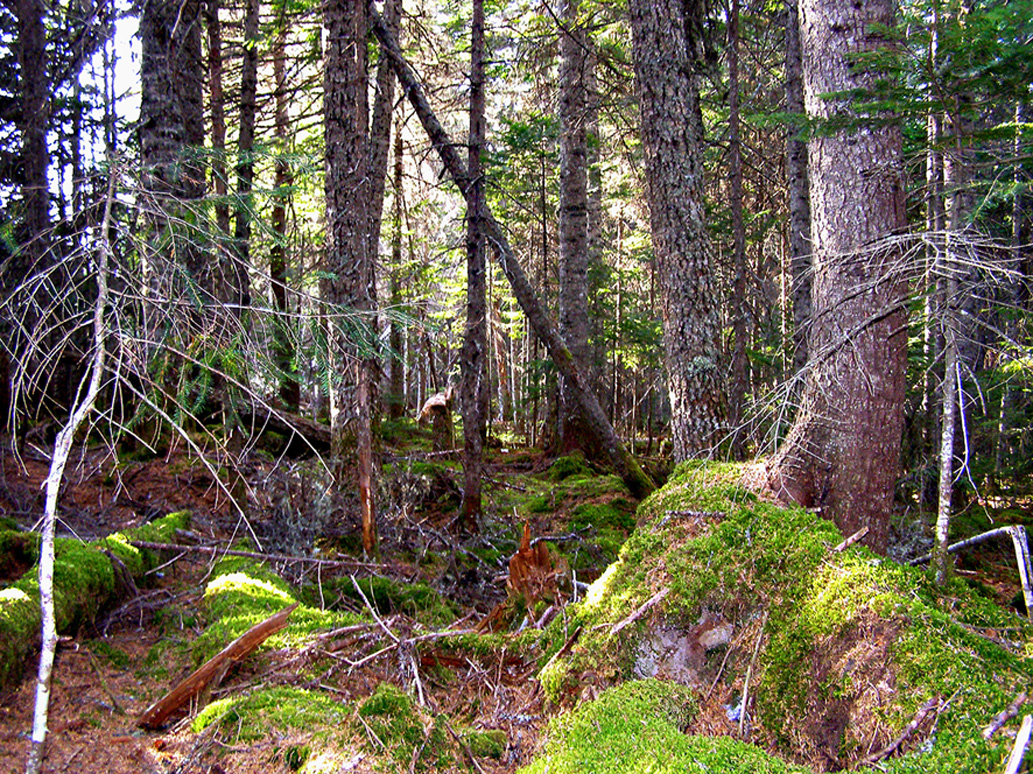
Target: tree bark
627	468
738	385
842	453
283	347
350	286
574	97
663	32
475	343
799	196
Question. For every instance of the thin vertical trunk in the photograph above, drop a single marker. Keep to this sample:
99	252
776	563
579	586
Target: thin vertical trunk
217	109
799	196
240	287
380	132
283	347
475	344
395	397
739	307
573	211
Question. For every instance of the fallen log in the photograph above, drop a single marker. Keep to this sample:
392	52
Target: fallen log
302	435
88	577
210	673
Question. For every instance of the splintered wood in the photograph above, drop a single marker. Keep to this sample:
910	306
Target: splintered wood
531	571
212	671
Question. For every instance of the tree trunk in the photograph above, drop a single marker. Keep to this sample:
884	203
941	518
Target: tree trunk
283	346
672	137
349	264
575	65
799	196
842	453
738	385
237	278
627	468
474	356
395	397
217	110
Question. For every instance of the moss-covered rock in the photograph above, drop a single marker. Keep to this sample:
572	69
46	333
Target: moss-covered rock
416	600
85	581
842	648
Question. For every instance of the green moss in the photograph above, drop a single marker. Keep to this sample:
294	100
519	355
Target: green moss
114	656
283	708
416	600
242	593
836	624
84	582
565	467
638	727
389	721
485	744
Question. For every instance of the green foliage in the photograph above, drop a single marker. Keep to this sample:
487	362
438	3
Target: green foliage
389	720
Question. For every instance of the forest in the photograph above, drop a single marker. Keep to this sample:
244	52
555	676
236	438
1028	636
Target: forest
511	386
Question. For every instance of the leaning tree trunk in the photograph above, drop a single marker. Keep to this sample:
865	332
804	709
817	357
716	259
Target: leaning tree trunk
842	453
672	136
638	483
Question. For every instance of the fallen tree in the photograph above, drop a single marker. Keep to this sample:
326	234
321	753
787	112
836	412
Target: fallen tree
627	467
88	578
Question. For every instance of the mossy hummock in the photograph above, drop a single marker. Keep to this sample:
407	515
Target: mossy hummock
85	582
841	648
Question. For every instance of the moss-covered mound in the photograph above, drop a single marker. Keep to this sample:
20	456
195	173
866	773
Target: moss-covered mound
86	579
835	653
638	726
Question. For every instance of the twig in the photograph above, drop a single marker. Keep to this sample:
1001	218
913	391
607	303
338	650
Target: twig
463	744
1005	716
916	721
214	550
851	540
565	649
749	673
642	610
373	611
1018	750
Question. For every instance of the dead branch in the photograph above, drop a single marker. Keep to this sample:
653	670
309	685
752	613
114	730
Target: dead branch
933	702
1005	716
216	551
850	540
1018	750
642	610
213	670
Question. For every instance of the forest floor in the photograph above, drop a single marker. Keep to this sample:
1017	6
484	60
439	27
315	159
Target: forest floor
113	668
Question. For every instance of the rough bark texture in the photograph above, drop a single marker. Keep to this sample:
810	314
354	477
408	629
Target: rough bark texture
799	196
842	454
475	343
574	79
395	395
34	115
626	466
663	32
346	114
